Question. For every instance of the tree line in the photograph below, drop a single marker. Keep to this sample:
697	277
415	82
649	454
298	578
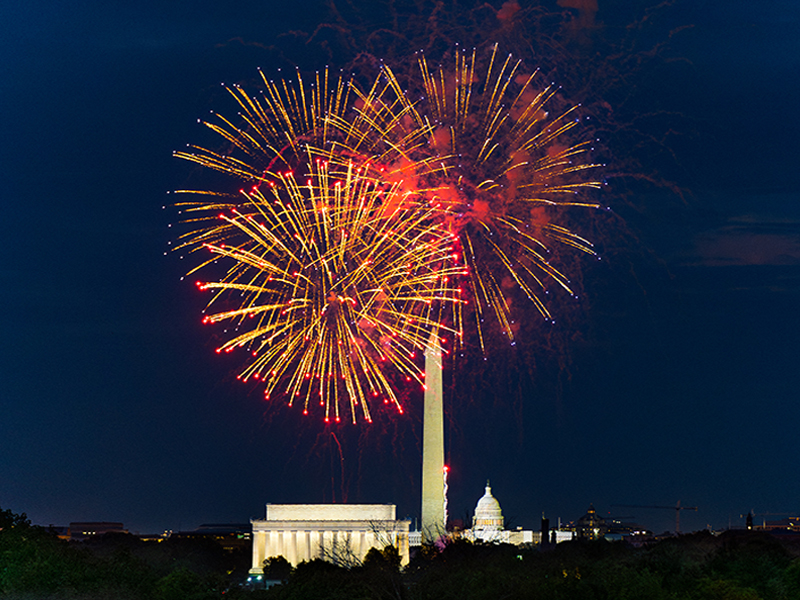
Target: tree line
736	565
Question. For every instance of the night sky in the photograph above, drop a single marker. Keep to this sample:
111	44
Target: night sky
674	376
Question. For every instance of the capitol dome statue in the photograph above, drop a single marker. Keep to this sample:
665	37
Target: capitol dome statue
488	516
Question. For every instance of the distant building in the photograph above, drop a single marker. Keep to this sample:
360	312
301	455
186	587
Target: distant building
591	525
83	530
619	530
341	533
790	525
231	536
415	539
154	537
488	519
488	524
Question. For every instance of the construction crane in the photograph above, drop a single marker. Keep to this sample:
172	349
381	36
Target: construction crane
677	508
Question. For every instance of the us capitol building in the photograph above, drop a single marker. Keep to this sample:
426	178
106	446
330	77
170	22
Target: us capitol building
487	524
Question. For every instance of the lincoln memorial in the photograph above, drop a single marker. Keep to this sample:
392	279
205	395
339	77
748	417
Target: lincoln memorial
338	532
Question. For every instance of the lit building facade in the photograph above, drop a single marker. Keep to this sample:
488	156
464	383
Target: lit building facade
488	523
337	532
83	530
591	525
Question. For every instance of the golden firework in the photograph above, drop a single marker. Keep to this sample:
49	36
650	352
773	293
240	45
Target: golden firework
289	124
364	207
335	285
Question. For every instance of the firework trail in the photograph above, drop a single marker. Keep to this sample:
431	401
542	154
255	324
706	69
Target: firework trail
334	291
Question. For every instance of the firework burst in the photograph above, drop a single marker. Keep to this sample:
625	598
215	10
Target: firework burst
290	124
336	285
365	207
506	169
329	117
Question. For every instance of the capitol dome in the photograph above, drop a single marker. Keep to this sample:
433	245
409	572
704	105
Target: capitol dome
488	515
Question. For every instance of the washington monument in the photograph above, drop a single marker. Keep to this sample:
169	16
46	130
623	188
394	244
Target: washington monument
433	500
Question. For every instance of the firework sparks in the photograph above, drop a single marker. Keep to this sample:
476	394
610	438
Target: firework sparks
276	126
506	168
374	206
336	283
288	125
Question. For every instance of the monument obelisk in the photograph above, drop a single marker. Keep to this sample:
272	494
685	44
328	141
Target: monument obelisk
433	501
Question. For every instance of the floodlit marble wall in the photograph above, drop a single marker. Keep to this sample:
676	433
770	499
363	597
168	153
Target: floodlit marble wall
338	532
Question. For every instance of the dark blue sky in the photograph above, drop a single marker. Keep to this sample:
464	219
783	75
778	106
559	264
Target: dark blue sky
675	379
